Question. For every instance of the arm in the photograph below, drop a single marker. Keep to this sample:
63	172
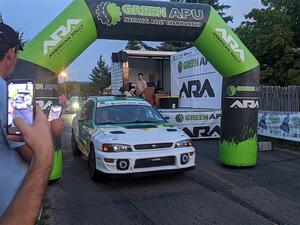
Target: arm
145	84
25	207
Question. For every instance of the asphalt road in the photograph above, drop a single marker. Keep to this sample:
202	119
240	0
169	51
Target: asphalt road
268	193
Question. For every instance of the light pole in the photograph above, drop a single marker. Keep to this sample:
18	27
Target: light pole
64	75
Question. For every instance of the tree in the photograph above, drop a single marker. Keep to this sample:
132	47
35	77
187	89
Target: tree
181	45
138	45
24	41
100	76
270	34
291	8
133	45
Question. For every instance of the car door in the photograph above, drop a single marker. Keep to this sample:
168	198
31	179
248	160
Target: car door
86	124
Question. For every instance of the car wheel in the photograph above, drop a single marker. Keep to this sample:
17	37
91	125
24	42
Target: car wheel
94	173
74	145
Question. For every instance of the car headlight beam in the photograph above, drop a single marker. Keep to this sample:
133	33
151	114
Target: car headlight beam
75	105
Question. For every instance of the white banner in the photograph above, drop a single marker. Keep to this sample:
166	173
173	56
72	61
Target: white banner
282	125
205	125
197	125
195	80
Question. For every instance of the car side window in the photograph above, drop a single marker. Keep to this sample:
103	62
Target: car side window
90	110
83	113
87	111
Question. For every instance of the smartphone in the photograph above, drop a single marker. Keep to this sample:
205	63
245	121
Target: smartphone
21	103
55	112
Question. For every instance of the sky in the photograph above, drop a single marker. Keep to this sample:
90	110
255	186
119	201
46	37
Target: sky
31	16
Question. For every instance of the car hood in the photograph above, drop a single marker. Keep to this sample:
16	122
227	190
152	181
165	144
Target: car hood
143	134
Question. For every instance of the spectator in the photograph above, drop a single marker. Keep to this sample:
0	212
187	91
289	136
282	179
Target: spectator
132	92
140	86
63	100
22	187
124	92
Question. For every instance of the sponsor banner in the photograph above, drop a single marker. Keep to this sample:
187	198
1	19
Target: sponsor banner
148	20
282	125
198	125
205	125
195	80
46	86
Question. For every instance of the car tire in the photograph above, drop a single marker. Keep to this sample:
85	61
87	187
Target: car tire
74	145
94	173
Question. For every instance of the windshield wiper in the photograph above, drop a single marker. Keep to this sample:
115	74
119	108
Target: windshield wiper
144	121
107	123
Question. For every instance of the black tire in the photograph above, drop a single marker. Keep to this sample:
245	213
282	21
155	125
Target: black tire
74	145
94	173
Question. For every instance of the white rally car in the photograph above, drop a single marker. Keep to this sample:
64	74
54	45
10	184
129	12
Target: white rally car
127	135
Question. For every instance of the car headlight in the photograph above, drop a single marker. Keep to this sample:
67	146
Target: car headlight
182	144
116	148
75	105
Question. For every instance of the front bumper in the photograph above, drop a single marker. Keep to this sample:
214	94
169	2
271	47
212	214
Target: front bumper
145	161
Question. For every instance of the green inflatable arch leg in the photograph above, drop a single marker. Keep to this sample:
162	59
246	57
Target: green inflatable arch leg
71	32
57	170
240	91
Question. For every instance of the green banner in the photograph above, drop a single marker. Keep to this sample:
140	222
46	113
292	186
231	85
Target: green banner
65	38
223	48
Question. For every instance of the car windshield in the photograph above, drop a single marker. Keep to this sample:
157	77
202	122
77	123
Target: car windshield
74	98
126	114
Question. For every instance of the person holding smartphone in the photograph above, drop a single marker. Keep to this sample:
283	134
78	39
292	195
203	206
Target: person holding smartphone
22	185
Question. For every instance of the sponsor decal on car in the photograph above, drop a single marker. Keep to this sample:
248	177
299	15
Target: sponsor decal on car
109	103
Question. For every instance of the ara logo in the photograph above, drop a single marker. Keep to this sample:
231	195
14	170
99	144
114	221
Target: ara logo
60	33
195	89
203	131
232	43
108	13
43	105
245	104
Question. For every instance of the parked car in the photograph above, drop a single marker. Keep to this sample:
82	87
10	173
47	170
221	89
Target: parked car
127	135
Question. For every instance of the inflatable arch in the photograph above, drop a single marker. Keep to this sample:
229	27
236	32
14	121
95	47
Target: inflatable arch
84	21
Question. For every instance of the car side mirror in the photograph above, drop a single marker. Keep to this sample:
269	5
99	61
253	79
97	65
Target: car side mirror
167	117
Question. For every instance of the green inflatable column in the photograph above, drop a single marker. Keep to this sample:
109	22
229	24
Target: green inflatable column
50	52
240	100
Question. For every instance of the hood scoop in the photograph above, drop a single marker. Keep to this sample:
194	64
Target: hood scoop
117	132
141	127
172	130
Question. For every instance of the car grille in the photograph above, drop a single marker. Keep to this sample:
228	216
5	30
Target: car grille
153	162
153	146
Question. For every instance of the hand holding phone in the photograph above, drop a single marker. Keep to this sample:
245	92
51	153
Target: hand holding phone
20	103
